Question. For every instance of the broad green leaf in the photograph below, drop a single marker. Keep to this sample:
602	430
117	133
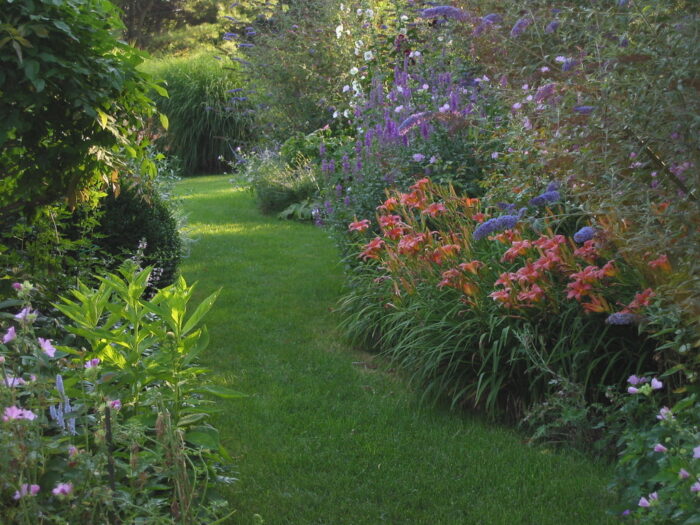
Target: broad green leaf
164	120
191	418
220	391
203	437
200	312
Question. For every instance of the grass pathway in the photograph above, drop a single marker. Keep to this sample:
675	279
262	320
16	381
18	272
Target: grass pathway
322	440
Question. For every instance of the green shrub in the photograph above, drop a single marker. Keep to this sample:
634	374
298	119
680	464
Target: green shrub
144	226
71	99
207	120
278	185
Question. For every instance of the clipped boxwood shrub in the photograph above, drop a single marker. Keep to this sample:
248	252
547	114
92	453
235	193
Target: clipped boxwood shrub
131	220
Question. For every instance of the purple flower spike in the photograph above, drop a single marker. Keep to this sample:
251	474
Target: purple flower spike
584	110
621	318
547	197
584	234
493	18
504	222
552	27
520	27
446	11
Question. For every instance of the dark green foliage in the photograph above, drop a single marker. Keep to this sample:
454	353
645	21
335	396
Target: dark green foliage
71	101
207	122
129	220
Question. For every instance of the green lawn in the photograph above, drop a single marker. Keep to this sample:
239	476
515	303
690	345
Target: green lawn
324	440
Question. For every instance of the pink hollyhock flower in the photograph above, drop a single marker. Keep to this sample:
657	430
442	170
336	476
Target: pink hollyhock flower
26	315
696	452
695	487
26	490
643	502
92	363
47	347
683	474
62	489
17	286
656	384
13	412
660	448
116	404
10	335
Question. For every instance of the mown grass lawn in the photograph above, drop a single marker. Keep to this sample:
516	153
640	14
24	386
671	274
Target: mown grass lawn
325	440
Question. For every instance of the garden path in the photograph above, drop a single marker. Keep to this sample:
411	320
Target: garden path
322	438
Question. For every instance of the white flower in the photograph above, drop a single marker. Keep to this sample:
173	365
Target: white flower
335	114
369	13
339	31
346	88
354	71
561	59
359	12
369	55
404	18
398	109
445	108
346	113
399	89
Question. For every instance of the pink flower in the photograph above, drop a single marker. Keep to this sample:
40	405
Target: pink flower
13	382
26	490
116	404
656	384
73	451
683	474
633	380
695	487
660	448
10	335
654	496
47	347
13	412
643	502
17	286
62	489
696	452
632	390
26	315
664	414
92	363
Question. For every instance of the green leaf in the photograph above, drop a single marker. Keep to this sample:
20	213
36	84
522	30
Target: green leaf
200	312
205	437
164	120
191	418
220	391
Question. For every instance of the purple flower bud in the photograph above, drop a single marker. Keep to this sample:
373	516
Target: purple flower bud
520	27
621	318
584	110
552	27
683	474
584	234
660	448
632	390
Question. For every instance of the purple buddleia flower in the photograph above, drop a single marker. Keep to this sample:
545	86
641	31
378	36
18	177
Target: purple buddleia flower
520	27
246	45
546	198
544	93
622	318
322	149
584	110
414	120
346	164
444	11
493	18
552	186
506	206
584	234
569	64
230	36
504	222
552	27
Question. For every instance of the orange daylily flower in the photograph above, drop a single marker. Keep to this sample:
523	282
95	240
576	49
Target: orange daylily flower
389	205
435	209
359	226
661	262
597	304
471	266
372	249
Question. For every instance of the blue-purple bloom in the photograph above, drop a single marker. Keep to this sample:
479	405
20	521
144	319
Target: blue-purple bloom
444	10
621	318
546	198
584	110
584	234
544	92
414	120
493	18
520	27
552	27
497	224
